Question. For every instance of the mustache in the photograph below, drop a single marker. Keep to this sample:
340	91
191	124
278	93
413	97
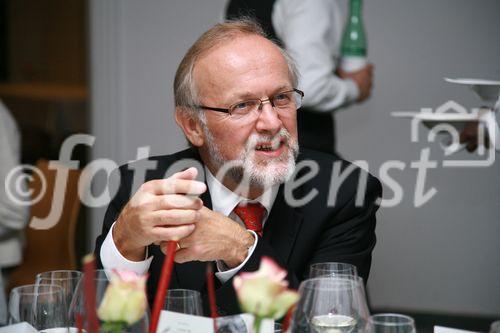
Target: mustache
282	136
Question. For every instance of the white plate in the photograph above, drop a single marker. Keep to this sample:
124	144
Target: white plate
456	120
487	90
446	117
479	82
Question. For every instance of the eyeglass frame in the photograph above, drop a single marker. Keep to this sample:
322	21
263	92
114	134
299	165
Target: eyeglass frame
300	92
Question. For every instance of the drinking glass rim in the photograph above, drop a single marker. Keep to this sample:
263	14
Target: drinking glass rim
373	319
195	292
34	285
76	276
316	264
343	278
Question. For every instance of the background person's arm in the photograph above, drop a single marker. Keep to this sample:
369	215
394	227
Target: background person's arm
308	30
13	217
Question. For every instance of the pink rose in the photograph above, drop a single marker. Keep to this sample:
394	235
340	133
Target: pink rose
265	292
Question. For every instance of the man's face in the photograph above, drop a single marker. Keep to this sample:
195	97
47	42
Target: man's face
248	67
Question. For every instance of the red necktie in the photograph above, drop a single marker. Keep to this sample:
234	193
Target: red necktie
251	214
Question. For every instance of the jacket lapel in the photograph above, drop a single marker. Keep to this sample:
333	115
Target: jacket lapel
282	226
280	231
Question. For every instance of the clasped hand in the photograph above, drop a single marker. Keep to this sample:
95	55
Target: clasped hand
170	209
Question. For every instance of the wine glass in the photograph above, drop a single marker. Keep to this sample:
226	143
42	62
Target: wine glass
68	280
391	323
40	305
183	301
331	305
77	307
324	269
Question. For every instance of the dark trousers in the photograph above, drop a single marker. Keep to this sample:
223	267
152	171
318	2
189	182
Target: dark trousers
316	130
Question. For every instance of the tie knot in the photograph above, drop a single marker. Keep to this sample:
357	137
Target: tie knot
252	215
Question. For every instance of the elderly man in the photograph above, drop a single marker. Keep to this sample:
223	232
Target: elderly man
236	102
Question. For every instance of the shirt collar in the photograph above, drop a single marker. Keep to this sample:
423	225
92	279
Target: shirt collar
224	200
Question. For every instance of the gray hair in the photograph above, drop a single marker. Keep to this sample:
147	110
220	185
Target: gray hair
185	93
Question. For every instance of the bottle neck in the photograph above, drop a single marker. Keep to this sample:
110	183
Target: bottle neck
355	9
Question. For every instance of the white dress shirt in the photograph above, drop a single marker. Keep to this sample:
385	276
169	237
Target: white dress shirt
311	32
13	217
223	201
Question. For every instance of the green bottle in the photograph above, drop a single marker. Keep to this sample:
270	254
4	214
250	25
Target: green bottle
353	46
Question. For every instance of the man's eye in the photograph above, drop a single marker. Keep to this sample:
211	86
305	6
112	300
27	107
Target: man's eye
281	99
241	106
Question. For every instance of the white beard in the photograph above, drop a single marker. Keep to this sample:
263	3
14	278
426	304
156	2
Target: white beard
245	169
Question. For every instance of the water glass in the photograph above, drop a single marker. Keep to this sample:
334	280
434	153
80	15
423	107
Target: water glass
324	269
68	280
40	305
391	323
184	301
77	307
331	304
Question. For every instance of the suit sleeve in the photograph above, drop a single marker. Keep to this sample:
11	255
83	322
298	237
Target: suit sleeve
226	292
112	212
350	235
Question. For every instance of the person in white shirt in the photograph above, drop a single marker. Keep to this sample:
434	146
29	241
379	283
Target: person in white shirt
310	30
13	217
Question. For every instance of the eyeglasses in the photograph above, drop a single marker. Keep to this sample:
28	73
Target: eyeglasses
286	100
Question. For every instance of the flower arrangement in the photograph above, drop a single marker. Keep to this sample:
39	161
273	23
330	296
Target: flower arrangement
124	302
264	293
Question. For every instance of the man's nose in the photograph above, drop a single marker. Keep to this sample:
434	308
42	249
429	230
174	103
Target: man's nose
268	120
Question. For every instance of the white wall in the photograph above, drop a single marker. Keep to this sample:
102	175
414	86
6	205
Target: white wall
135	47
443	256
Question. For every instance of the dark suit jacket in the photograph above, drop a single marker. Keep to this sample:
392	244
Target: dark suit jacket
295	237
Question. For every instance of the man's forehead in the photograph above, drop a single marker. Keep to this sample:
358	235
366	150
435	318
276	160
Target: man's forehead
239	60
250	43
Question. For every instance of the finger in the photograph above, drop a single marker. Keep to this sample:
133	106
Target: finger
189	174
467	136
175	201
471	146
174	217
187	241
183	255
164	246
172	233
175	186
463	137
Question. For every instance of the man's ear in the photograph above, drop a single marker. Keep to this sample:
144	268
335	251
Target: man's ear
190	126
